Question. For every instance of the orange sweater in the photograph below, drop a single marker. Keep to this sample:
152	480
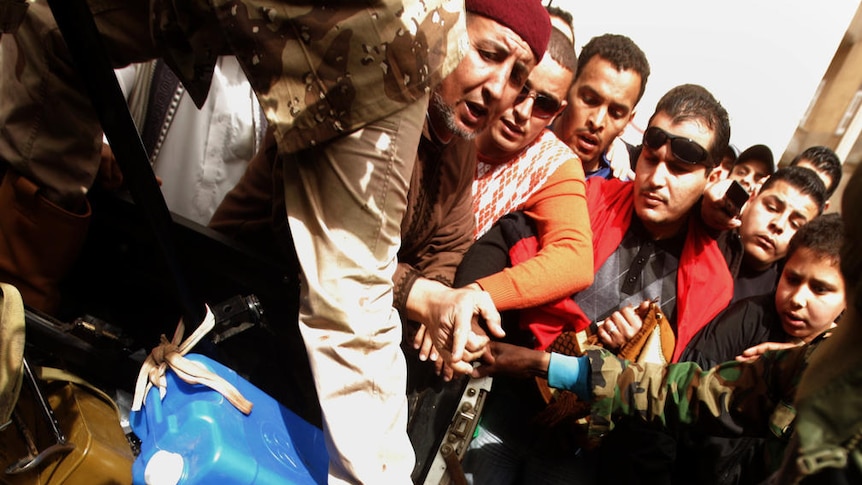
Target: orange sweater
564	263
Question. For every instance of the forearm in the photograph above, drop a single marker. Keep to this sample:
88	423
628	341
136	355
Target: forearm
563	264
548	277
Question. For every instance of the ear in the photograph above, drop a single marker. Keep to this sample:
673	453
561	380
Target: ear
716	174
562	108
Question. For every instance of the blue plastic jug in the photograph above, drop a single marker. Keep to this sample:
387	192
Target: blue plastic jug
195	436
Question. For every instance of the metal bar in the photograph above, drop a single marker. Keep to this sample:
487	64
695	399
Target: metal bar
90	57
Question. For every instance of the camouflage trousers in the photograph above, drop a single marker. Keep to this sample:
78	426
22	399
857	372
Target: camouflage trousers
344	202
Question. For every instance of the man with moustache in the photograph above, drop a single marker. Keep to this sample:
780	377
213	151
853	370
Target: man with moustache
506	42
522	165
648	243
611	79
646	239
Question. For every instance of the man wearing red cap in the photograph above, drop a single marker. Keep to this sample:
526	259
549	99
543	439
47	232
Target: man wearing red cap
506	40
504	43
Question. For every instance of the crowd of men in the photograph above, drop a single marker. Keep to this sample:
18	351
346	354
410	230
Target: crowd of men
434	165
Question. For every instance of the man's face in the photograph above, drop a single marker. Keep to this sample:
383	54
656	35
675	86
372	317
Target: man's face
666	188
750	174
770	219
492	72
601	104
810	294
520	124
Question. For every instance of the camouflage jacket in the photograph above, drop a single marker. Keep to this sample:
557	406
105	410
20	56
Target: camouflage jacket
826	445
320	69
820	441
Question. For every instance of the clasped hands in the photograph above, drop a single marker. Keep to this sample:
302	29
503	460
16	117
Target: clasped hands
521	362
451	329
452	325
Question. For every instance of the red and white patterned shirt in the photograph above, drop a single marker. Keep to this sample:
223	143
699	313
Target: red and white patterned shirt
500	188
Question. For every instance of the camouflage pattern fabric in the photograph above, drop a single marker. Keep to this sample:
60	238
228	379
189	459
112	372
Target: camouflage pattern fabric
320	69
732	399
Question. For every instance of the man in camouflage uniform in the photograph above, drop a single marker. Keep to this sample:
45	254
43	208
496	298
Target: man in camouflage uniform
805	398
345	90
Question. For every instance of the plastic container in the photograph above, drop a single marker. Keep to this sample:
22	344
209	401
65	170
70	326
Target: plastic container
195	436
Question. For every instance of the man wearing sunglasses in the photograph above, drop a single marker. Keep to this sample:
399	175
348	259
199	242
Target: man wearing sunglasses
610	81
519	157
524	166
648	243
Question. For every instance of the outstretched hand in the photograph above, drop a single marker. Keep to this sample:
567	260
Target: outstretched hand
512	360
753	353
451	317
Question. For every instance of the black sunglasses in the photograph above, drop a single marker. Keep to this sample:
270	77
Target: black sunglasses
686	150
544	106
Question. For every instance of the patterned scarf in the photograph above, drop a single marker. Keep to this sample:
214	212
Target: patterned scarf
504	187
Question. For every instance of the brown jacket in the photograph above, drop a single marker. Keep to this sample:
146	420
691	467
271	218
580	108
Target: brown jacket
438	226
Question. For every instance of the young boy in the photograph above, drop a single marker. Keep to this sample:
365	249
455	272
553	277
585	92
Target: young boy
808	300
824	162
788	199
752	167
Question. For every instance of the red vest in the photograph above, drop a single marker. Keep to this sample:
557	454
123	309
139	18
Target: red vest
704	283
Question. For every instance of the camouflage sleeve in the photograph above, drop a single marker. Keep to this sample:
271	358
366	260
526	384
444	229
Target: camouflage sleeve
731	399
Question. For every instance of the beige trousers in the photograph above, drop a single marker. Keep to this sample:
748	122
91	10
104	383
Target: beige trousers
344	208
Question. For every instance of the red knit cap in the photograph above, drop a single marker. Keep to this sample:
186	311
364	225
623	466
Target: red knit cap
527	18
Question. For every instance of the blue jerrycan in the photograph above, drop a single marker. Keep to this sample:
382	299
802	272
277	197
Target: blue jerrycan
195	436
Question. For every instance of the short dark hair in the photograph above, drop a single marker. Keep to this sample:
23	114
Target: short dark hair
621	52
562	51
565	16
823	235
694	102
826	161
803	179
555	11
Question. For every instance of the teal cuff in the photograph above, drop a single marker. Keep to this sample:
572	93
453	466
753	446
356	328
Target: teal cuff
570	373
